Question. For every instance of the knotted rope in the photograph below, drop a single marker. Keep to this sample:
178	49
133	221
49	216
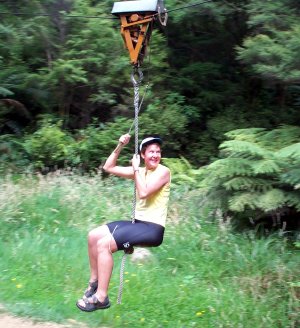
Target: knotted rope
136	79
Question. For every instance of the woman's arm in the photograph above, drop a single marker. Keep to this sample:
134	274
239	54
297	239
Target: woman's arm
111	166
157	180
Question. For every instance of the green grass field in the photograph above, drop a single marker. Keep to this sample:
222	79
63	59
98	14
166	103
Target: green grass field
203	275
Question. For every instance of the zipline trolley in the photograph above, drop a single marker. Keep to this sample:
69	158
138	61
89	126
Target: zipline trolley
137	18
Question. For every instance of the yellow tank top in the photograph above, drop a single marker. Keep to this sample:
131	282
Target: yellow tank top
154	208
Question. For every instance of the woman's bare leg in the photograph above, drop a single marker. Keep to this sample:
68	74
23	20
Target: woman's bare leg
101	245
93	238
106	246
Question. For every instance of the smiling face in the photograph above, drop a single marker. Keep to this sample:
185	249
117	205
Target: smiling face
152	156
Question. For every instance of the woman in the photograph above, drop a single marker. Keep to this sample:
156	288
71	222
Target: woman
153	188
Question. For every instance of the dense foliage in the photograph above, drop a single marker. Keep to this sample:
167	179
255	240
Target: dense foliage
219	65
66	94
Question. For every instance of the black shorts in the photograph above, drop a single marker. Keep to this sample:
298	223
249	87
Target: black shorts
141	233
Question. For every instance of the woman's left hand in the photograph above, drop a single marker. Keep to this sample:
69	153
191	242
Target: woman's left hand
135	162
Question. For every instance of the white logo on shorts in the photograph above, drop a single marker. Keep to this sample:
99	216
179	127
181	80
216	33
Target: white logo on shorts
126	245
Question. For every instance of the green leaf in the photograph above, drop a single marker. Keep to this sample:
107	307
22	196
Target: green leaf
266	166
291	151
247	184
245	149
240	201
5	92
271	200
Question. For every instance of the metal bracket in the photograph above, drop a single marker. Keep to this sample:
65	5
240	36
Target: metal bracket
137	19
136	32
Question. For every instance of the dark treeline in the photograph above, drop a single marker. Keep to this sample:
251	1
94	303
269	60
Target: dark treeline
215	67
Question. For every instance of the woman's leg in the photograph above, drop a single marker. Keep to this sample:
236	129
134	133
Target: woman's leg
105	247
94	236
101	245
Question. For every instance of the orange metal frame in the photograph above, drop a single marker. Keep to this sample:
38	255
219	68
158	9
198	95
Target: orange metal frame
136	33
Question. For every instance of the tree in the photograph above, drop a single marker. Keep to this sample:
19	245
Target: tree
271	51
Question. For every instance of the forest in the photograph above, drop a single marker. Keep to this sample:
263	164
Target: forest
221	87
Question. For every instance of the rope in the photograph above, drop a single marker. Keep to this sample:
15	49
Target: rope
136	79
136	83
123	261
133	122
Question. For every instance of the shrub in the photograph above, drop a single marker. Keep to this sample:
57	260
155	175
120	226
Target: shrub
12	155
49	146
95	143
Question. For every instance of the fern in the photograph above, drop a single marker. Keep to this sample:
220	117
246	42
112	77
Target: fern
291	177
4	92
291	151
251	135
257	175
266	166
244	149
292	199
279	138
241	200
271	200
182	171
230	167
247	183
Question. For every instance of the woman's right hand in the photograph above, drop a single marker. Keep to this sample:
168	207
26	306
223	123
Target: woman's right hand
124	139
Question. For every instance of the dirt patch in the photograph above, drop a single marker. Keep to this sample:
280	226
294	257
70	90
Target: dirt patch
10	321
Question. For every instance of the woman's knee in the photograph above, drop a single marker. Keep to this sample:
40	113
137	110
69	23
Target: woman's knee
103	244
106	244
97	234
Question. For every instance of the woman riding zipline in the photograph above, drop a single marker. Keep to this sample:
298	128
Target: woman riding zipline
152	188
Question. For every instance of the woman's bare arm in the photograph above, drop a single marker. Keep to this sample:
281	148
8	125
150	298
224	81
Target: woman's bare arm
111	166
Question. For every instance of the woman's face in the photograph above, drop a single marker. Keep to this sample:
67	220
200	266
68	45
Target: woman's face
152	156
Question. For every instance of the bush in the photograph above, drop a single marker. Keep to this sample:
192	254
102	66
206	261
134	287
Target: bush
96	142
49	146
12	155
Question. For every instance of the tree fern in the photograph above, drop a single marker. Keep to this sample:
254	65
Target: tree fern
182	171
279	138
291	151
271	200
292	199
229	167
245	149
291	177
247	183
251	134
266	166
257	176
241	200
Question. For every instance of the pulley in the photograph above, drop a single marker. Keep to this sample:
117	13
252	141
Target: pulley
137	19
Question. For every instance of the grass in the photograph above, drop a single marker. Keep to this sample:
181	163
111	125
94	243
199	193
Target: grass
203	275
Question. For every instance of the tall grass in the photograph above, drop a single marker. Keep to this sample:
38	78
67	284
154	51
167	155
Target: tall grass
203	275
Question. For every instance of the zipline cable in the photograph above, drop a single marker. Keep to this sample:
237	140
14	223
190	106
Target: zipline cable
45	15
104	17
188	6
